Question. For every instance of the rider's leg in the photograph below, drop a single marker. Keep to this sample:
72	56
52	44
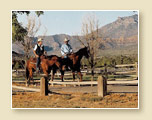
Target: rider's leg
79	73
37	64
64	66
67	62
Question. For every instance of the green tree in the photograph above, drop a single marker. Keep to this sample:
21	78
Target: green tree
18	31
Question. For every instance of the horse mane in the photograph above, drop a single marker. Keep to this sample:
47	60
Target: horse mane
80	51
50	56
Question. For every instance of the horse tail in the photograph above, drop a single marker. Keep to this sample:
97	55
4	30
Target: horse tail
27	73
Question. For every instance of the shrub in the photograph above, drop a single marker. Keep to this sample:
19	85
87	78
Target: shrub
16	66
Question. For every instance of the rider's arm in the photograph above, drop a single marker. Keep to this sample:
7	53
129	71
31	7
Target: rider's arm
71	50
34	51
62	50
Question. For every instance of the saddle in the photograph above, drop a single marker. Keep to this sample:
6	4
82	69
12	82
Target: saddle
72	57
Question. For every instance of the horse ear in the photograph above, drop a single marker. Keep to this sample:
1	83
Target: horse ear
87	47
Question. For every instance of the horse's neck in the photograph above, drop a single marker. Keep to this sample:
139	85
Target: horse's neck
80	55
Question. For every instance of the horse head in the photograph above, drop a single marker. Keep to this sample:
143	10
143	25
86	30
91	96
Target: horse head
86	52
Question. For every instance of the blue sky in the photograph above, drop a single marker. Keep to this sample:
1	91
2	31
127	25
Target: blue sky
70	22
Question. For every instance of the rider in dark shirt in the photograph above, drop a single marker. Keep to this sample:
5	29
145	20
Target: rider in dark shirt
38	51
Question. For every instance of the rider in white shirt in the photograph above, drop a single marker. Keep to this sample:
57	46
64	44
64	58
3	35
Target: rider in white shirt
66	48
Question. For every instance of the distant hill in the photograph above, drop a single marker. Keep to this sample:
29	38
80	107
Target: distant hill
120	35
122	32
122	27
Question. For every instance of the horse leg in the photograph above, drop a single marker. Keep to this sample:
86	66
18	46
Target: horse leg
79	73
27	81
73	73
27	76
52	74
62	75
30	77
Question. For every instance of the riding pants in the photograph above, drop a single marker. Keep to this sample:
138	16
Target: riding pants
38	63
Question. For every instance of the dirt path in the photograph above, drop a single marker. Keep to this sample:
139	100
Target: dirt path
89	89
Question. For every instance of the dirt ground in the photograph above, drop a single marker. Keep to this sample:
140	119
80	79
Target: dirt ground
78	98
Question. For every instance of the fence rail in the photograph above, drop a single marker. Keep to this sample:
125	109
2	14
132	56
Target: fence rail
117	73
133	73
125	65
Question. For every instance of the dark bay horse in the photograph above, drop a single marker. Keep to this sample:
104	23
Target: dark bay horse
74	62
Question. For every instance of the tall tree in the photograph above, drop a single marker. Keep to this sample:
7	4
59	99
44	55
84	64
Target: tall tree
32	28
90	33
25	35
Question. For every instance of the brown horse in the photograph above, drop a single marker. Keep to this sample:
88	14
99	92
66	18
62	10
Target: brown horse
74	62
30	68
47	64
53	63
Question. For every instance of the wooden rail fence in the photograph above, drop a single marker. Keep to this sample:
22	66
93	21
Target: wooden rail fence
102	86
129	76
132	73
101	82
43	87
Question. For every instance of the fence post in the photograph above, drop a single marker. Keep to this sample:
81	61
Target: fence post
102	86
105	85
52	78
136	67
105	71
51	75
43	87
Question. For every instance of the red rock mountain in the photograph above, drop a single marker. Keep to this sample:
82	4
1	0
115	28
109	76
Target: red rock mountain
119	35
